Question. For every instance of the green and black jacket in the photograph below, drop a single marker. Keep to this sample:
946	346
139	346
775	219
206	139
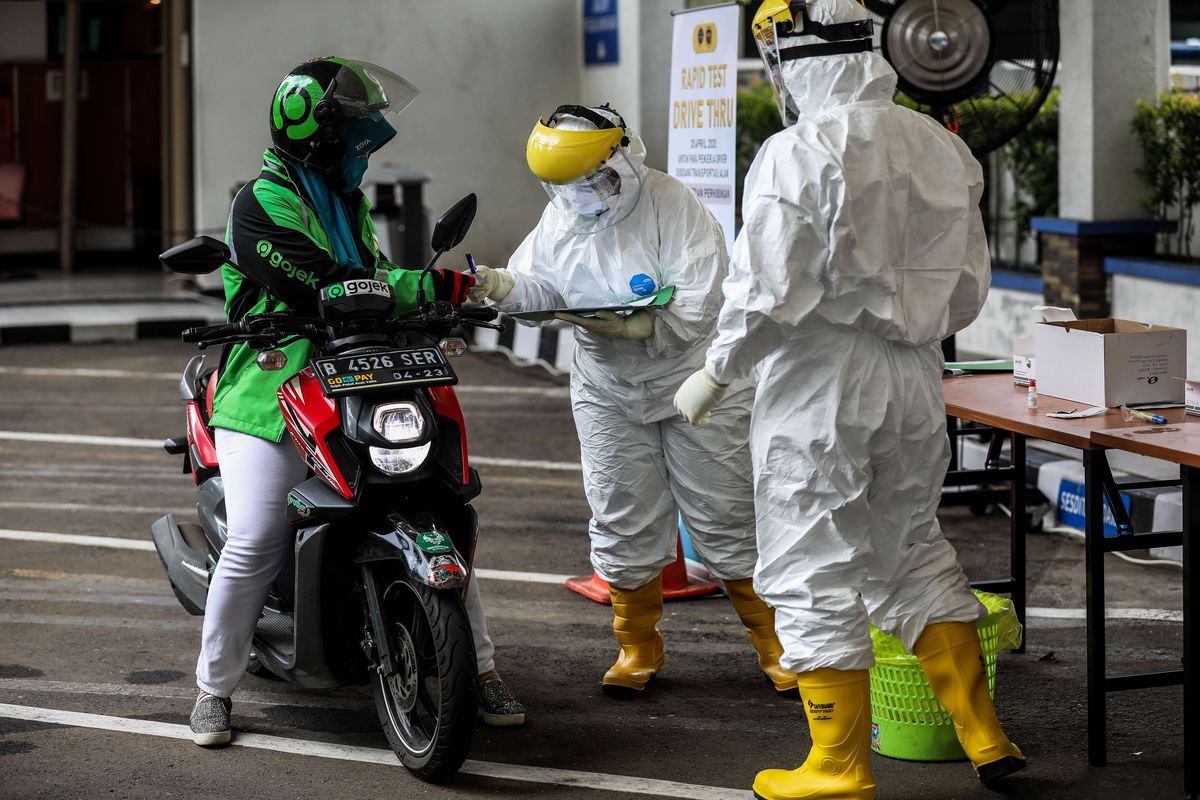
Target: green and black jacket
276	237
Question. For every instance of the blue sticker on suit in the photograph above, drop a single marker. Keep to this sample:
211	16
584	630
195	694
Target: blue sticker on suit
642	284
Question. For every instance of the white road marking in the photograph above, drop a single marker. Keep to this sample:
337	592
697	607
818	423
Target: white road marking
1033	612
93	508
192	624
121	441
82	372
187	692
373	755
144	544
523	577
520	463
164	600
69	438
1150	614
79	539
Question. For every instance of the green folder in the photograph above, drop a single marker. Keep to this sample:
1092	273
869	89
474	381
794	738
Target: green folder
657	300
991	365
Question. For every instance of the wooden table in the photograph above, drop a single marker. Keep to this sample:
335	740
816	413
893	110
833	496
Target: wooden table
994	401
1178	443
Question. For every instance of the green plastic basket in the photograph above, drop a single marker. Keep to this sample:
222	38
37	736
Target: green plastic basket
907	720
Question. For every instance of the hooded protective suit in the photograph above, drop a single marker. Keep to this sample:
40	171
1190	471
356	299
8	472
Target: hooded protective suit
640	462
862	247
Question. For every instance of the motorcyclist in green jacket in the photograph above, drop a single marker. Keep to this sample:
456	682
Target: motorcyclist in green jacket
302	224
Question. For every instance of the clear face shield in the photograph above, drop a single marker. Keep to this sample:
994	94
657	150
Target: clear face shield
579	156
774	20
777	19
362	89
601	199
590	195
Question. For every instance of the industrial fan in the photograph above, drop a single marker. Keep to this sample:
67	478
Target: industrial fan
982	68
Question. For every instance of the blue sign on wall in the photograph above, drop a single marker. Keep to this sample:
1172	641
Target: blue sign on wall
1071	508
600	43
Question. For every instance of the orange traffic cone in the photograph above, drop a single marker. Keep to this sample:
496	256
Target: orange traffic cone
678	583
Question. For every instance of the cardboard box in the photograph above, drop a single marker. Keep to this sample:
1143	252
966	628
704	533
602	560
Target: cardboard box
1024	363
1107	362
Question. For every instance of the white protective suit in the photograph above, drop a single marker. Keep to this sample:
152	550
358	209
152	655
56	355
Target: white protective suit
862	247
640	462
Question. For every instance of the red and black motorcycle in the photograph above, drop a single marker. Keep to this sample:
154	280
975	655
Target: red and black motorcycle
385	533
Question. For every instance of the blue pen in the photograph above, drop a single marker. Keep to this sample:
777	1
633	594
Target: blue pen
471	263
1131	414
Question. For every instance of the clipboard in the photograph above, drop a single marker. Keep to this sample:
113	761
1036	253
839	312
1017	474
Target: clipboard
659	299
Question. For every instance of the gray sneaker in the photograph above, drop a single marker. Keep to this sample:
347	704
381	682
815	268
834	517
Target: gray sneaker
498	706
210	720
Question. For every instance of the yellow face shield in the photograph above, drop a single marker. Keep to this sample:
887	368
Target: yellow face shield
558	156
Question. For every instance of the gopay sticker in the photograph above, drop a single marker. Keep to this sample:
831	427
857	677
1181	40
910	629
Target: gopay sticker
642	284
434	542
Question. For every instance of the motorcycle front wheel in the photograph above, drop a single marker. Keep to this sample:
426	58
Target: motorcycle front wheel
427	706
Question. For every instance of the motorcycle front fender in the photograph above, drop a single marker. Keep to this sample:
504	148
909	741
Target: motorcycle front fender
431	561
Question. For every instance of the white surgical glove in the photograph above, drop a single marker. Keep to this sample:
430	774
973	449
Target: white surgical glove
697	397
494	284
638	325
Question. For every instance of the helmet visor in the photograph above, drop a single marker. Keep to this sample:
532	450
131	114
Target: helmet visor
361	89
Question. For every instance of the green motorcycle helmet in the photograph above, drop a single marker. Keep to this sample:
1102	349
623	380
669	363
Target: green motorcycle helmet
316	100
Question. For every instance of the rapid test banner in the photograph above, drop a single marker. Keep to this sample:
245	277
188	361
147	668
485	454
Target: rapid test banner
703	140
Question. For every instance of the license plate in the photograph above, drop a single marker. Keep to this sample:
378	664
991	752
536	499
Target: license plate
419	366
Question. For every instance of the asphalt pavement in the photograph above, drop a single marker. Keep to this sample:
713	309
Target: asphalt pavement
97	658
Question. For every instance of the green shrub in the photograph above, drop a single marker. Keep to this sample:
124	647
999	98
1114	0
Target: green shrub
1169	134
1032	157
757	119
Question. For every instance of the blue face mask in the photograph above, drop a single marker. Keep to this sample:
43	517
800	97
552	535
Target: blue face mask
361	137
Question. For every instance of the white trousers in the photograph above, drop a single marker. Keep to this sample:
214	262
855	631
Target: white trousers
850	451
258	475
640	476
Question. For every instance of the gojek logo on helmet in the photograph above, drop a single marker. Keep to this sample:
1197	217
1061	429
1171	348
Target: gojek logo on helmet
273	257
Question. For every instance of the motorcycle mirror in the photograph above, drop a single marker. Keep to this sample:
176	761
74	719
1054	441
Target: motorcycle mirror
448	232
198	256
452	228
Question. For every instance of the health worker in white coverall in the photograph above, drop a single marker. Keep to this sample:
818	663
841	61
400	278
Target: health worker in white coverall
616	230
862	247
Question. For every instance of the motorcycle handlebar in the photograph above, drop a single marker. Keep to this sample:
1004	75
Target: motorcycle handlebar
196	335
262	328
479	313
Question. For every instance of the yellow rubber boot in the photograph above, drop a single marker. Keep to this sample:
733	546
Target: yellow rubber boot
635	616
838	705
759	619
953	661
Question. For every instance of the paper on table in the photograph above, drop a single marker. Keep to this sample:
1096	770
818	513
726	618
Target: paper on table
657	300
1095	411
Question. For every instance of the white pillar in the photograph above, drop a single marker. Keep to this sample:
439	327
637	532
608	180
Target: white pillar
639	85
616	84
1114	53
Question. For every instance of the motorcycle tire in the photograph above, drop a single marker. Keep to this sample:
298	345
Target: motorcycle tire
428	706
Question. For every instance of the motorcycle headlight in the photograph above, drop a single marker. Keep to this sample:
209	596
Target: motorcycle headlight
399	422
400	461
